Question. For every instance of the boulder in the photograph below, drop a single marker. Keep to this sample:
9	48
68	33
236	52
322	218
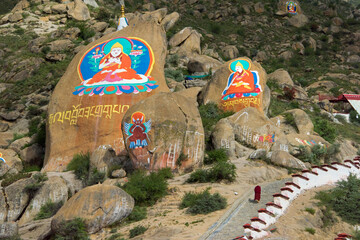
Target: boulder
32	155
92	3
10	116
266	99
149	7
337	21
12	162
21	6
4	127
18	198
78	11
261	56
59	8
98	205
249	127
55	57
285	159
119	173
302	121
230	52
298	20
72	34
157	15
3	210
8	230
5	139
235	95
39	230
103	158
90	115
298	46
18	144
164	130
347	150
61	45
72	182
202	63
191	45
170	20
353	59
15	17
281	76
296	140
100	26
54	190
258	154
259	7
287	55
21	126
180	37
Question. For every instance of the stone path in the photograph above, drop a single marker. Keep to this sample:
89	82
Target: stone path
230	226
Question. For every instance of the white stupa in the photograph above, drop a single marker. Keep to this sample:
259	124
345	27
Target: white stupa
123	22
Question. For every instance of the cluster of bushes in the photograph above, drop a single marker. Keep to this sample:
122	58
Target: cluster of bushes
202	203
317	154
80	164
324	128
222	169
147	189
48	210
74	229
32	188
344	199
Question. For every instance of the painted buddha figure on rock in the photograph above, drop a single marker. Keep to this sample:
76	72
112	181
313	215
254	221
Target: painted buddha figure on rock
242	82
115	67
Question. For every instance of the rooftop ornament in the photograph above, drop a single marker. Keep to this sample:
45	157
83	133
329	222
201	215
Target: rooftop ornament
123	23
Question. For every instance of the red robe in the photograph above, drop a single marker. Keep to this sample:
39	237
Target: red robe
125	64
257	191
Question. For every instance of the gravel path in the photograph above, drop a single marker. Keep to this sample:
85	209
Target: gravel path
231	226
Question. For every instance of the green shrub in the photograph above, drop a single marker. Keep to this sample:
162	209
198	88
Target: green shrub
166	173
146	189
310	230
137	214
95	177
344	199
40	177
48	210
199	175
80	165
175	74
202	203
72	230
313	155
222	170
9	179
310	210
115	237
289	119
136	231
215	28
354	118
173	60
325	129
85	31
103	14
216	155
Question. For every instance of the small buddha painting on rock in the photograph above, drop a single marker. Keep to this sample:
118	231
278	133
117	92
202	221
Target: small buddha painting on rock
242	82
117	66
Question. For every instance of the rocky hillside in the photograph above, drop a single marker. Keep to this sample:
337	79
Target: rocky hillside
297	57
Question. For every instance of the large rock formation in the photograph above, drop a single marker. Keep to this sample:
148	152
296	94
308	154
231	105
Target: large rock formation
237	84
100	85
164	130
99	206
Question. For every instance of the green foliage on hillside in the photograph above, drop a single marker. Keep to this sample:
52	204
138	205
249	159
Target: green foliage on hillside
7	5
72	230
146	189
222	170
344	199
48	210
202	203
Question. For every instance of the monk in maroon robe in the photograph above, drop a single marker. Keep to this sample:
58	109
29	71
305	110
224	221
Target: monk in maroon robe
257	191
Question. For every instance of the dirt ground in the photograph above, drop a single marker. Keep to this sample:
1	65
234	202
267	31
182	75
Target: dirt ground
165	221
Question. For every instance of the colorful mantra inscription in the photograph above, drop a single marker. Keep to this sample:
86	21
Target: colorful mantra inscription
77	112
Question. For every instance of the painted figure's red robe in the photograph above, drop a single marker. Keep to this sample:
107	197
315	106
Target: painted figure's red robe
106	72
241	83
